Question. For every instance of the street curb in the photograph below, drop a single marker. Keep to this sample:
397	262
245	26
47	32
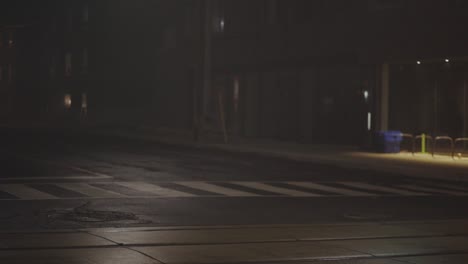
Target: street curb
411	168
452	171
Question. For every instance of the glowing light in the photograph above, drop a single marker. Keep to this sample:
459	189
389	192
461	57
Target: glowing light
366	95
369	121
447	60
221	25
67	101
418	62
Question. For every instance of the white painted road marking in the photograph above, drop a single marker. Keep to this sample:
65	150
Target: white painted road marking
154	189
89	190
216	189
455	187
372	187
321	187
433	190
274	189
19	178
25	192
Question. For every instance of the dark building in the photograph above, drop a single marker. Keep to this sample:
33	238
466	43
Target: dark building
18	72
321	71
94	61
427	67
64	41
309	71
289	70
8	64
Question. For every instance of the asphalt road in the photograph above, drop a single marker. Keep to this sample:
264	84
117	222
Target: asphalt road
66	180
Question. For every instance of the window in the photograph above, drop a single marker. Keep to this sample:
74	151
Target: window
271	12
170	38
4	39
85	60
70	20
10	39
84	105
84	101
10	73
218	17
67	101
68	64
85	13
189	21
52	67
53	26
218	24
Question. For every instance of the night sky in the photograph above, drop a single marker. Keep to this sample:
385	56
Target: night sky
21	11
431	28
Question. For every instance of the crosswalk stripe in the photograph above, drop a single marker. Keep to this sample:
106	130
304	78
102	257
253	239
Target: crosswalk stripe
154	189
459	188
279	190
216	189
25	192
331	189
89	190
427	189
232	189
368	186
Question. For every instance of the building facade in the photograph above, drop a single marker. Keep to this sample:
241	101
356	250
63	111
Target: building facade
18	72
8	64
323	71
308	71
95	60
271	69
64	42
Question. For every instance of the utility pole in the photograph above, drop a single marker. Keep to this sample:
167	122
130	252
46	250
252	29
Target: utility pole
436	109
464	114
206	27
384	96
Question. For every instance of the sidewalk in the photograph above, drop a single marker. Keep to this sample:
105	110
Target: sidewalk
418	165
370	243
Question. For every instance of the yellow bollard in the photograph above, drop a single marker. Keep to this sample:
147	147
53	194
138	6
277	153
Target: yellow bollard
423	143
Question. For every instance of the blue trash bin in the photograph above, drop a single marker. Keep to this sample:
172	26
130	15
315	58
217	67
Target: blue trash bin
388	141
